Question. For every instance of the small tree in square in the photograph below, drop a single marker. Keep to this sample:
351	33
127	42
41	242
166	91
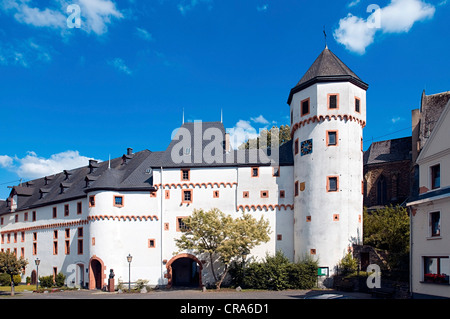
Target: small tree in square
222	237
11	265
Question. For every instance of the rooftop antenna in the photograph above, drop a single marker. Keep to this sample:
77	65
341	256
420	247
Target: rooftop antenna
183	116
109	161
325	36
221	115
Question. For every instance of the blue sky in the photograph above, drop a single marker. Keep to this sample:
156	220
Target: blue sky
124	77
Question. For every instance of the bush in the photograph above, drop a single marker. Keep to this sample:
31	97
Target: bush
348	265
59	280
5	279
277	273
46	281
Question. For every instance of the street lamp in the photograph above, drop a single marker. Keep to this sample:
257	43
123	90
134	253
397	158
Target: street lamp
37	262
129	259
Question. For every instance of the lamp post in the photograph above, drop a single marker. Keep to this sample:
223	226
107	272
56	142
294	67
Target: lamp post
37	262
129	259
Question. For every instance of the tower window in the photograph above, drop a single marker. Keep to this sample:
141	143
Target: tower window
245	194
304	107
255	171
181	226
332	138
185	174
332	184
296	146
264	194
187	196
118	201
357	105
333	101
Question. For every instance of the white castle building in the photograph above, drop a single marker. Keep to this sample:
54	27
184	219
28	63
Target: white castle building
86	221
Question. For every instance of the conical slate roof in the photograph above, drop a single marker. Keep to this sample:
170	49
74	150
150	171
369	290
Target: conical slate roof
327	68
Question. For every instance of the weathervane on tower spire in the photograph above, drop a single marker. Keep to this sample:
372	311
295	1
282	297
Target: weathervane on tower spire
325	35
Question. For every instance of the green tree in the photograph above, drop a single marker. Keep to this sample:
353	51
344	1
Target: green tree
222	237
388	228
284	135
12	266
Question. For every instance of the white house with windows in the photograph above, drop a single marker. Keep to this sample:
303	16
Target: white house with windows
430	215
85	222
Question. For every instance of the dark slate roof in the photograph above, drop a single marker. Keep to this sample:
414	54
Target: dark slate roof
388	151
135	171
199	139
122	173
431	109
327	68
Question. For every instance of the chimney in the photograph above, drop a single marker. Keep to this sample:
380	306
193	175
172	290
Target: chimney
129	151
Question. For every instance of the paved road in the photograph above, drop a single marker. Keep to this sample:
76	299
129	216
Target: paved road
182	294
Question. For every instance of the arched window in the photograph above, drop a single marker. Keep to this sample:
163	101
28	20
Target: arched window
381	191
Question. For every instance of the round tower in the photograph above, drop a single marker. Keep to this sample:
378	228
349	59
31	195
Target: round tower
328	113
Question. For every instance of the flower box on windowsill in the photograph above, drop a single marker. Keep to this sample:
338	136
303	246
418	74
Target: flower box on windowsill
436	279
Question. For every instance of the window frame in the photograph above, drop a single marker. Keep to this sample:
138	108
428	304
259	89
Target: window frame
329	95
359	106
91	200
329	190
434	177
432	231
309	107
336	137
437	278
188	172
179	220
183	196
122	201
253	168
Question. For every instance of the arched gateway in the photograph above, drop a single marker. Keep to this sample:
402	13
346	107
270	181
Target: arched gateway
96	273
184	270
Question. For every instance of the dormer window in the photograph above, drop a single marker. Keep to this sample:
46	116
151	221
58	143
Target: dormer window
67	174
93	165
47	179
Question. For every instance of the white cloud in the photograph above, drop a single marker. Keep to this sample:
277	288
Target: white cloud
262	8
5	161
144	34
40	18
188	5
96	14
23	53
356	33
120	65
400	15
396	119
241	132
353	3
32	166
260	119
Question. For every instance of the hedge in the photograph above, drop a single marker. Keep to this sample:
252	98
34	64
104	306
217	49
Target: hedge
276	273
